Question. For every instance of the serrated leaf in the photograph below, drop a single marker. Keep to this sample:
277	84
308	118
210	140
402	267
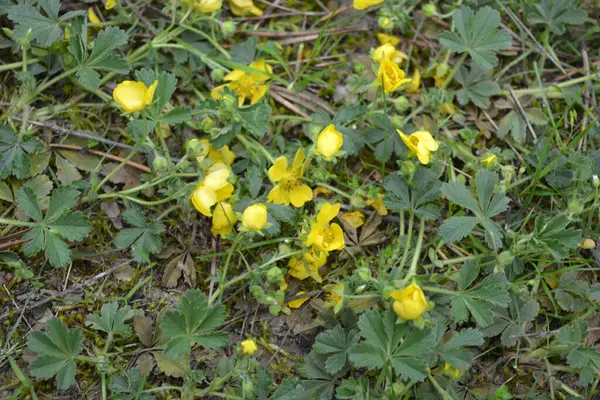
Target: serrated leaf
112	319
56	351
176	116
476	86
556	14
477	34
455	228
255	118
15	152
335	344
416	196
144	239
459	194
28	202
128	386
191	324
353	141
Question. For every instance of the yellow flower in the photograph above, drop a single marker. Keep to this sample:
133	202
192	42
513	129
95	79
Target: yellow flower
362	4
223	219
110	4
390	76
329	142
308	265
254	217
413	85
247	85
451	372
208	6
298	302
222	155
489	159
391	39
335	296
133	96
323	235
355	219
92	17
249	346
289	189
212	189
377	204
387	52
410	302
242	7
420	143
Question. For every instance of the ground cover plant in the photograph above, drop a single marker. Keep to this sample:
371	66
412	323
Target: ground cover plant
368	199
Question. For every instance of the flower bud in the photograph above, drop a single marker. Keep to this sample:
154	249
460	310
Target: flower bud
160	164
441	70
228	29
588	244
193	148
401	104
385	23
217	75
595	181
364	273
505	258
207	124
429	10
358	67
410	303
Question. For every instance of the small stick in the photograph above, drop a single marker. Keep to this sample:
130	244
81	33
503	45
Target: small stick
316	35
546	333
522	112
74	147
335	13
288	105
7	245
586	96
295	99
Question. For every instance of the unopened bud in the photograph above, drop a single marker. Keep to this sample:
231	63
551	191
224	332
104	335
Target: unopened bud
575	206
217	75
364	273
401	104
160	164
228	29
588	244
429	10
595	181
193	148
385	23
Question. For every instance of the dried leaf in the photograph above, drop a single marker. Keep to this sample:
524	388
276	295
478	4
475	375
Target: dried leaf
66	173
142	326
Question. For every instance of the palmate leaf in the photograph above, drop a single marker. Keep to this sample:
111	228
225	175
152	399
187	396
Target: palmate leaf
335	344
480	298
552	234
477	34
417	196
255	118
57	224
509	323
45	29
388	342
320	383
144	238
112	319
103	56
56	351
476	87
15	152
556	14
193	323
128	386
489	203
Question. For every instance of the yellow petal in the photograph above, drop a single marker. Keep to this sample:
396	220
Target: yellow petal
355	219
130	95
223	219
203	199
298	302
217	93
391	39
110	4
279	169
225	192
337	242
413	85
298	164
259	92
328	212
249	346
92	17
149	96
208	6
300	194
329	142
217	175
362	4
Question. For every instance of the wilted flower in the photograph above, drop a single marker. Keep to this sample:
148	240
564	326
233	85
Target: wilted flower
413	85
297	303
133	96
290	188
308	265
355	219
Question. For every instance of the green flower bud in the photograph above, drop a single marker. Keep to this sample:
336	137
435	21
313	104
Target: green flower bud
160	164
228	29
358	67
274	275
217	75
364	273
505	258
429	10
401	104
193	148
595	181
385	23
207	124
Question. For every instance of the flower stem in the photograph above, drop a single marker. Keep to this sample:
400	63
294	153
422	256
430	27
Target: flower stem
411	221
413	266
14	222
20	64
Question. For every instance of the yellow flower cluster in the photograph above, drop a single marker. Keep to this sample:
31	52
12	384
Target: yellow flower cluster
246	85
214	188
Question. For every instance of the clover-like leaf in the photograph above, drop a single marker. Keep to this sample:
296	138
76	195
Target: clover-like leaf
476	87
112	319
143	238
555	14
15	152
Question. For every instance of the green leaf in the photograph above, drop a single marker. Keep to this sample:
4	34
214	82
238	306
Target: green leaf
192	323
103	57
335	344
477	34
554	235
58	223
144	239
176	116
353	140
555	14
478	300
417	196
56	352
45	30
254	178
459	194
165	88
321	383
15	152
255	118
466	337
348	113
476	86
455	228
112	319
244	52
128	386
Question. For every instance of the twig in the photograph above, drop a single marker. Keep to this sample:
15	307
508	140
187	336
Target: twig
308	97
288	105
586	96
316	35
7	245
292	97
74	288
74	147
522	112
274	5
335	13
